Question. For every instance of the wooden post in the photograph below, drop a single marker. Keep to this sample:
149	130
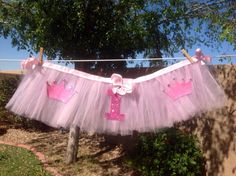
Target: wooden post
73	144
73	138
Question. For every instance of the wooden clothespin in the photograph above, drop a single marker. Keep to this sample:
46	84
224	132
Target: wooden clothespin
41	56
185	53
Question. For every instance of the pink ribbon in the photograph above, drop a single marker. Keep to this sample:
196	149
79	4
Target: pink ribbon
200	56
118	86
29	63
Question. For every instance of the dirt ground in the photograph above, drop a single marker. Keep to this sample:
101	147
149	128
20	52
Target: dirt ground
95	156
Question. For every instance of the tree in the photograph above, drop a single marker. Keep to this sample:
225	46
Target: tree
86	29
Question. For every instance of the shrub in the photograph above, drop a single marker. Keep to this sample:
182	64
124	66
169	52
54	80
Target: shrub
8	85
170	152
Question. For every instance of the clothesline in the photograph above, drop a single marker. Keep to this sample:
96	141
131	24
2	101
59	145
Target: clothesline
118	60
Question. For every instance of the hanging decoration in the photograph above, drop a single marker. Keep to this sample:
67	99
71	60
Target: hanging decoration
111	105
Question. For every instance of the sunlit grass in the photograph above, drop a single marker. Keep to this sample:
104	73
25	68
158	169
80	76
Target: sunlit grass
15	161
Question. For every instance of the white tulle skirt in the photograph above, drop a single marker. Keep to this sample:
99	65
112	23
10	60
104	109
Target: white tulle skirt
158	100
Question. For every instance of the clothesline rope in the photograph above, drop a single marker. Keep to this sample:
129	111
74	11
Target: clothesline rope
118	60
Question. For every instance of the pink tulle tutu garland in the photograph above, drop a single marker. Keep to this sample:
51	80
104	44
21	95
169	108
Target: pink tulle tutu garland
60	96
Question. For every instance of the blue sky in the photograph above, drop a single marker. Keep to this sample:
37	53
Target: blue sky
7	52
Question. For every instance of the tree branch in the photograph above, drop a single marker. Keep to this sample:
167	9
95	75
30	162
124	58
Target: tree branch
198	10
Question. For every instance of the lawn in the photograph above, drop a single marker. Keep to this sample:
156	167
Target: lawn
18	161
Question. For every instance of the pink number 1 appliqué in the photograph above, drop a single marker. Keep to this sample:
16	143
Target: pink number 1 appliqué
114	113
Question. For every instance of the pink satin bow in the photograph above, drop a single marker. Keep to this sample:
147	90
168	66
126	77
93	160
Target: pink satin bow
29	63
118	86
200	56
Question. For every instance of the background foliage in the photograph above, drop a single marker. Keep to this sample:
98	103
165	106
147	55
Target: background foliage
170	152
85	29
7	88
8	85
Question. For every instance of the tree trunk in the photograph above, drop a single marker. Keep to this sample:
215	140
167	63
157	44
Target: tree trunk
73	143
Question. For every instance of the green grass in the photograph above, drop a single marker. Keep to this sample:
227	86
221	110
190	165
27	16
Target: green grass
15	161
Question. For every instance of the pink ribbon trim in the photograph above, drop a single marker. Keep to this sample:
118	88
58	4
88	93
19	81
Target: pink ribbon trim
118	86
29	63
200	56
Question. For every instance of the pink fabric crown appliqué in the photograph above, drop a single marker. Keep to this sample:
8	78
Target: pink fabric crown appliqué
178	90
59	92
